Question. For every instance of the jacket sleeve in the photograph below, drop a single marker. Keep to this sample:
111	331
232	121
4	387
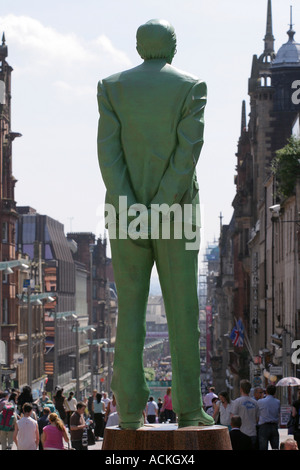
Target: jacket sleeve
110	153
178	176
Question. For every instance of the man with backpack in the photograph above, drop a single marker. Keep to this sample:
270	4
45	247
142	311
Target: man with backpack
3	398
8	419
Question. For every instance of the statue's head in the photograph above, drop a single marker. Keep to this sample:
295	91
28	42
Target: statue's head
156	39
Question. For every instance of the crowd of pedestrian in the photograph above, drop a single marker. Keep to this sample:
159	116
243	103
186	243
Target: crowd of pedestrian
57	424
44	424
160	411
253	421
162	369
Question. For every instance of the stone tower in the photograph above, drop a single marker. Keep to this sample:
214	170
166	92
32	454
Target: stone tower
8	214
285	70
261	91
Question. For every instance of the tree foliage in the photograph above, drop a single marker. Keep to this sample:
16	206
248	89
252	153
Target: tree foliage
149	373
286	167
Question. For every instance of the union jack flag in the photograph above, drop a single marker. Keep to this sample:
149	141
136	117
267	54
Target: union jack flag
237	334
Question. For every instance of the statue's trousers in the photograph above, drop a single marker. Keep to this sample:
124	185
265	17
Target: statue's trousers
133	261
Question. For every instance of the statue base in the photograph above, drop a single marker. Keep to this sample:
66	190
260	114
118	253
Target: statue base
167	437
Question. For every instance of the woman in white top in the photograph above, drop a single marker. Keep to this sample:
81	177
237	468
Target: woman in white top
224	409
111	408
99	412
70	406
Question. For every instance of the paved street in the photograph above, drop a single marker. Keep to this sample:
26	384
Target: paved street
98	446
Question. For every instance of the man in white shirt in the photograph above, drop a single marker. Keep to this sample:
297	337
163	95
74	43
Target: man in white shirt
26	434
247	409
105	399
151	410
207	400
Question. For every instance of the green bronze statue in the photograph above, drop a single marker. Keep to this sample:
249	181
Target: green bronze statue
150	136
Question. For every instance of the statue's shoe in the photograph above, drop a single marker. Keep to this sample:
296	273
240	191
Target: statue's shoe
202	419
131	425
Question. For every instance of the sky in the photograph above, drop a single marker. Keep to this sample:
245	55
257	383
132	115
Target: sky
60	49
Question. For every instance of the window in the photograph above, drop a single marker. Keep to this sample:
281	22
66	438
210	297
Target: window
4	232
2	92
5	312
28	249
48	252
265	81
94	291
3	352
94	315
47	235
267	59
29	224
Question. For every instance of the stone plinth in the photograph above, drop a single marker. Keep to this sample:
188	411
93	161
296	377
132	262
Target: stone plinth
167	437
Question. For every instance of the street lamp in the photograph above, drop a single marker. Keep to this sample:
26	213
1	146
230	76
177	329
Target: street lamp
32	298
7	270
109	350
99	342
91	250
77	330
58	316
18	263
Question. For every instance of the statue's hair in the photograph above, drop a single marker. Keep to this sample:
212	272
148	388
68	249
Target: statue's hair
156	39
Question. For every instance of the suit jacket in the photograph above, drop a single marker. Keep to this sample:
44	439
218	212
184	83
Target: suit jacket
150	135
239	440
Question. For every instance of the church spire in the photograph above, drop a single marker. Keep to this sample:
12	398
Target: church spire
269	38
3	48
291	32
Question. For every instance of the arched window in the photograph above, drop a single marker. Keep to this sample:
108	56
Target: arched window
3	352
265	80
